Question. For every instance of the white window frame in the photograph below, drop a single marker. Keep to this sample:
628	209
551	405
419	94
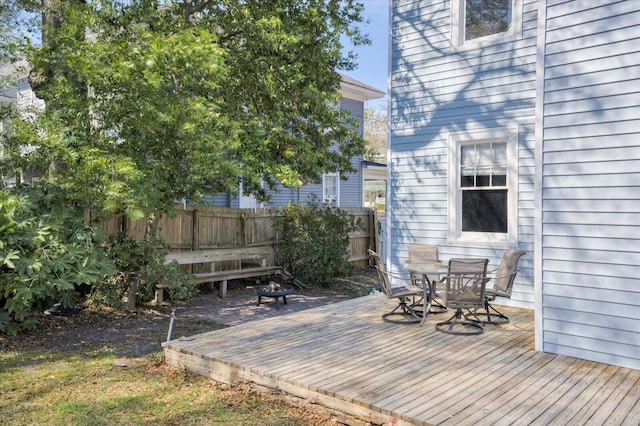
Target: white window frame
458	20
455	142
335	201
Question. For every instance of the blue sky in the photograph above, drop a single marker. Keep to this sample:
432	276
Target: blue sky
373	59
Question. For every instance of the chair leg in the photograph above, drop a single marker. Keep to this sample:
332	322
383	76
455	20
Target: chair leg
435	306
460	324
493	318
404	313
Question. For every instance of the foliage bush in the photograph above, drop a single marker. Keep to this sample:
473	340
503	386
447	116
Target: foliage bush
141	263
47	255
315	243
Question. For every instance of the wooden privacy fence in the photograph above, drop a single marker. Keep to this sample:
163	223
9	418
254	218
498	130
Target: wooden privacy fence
207	227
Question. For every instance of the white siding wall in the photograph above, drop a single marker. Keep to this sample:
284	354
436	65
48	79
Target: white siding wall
591	181
437	90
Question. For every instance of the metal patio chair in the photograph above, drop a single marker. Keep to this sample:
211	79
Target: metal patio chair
465	285
428	253
410	297
502	278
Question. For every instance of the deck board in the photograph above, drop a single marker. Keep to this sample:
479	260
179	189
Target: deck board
345	357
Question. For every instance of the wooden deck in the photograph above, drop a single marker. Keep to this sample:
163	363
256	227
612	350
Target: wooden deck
345	357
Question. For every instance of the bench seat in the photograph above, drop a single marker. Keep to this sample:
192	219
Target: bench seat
234	274
259	256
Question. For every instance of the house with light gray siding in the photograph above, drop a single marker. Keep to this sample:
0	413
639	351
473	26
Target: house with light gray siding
515	124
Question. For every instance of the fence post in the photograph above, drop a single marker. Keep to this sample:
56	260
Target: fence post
195	230
243	228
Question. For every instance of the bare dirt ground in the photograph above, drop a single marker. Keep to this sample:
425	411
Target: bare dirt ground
140	332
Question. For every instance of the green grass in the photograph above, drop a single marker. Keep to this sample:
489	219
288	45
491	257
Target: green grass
87	387
69	375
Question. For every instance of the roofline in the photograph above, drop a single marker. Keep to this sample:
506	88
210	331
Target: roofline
353	89
368	163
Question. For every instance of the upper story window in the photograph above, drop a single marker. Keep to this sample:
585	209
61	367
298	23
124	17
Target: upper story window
476	22
486	17
483	187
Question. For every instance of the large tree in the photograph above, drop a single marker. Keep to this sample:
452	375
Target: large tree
375	134
149	102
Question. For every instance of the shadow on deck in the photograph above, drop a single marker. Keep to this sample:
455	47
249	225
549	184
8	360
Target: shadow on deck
345	357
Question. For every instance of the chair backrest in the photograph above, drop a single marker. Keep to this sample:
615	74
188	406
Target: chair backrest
466	280
507	270
422	253
382	272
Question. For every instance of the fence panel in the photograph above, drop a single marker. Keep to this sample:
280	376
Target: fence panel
178	231
218	227
363	237
208	227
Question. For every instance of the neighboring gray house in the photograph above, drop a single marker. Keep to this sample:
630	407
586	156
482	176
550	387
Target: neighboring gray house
349	193
15	92
516	124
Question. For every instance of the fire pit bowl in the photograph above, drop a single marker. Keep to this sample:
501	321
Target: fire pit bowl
273	290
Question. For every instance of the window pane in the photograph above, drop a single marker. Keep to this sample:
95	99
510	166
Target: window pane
484	210
483	180
500	154
499	180
486	17
467	181
484	157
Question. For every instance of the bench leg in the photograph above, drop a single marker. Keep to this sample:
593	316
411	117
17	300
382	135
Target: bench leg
159	295
223	288
130	298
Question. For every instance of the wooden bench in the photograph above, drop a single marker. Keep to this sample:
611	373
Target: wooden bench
248	262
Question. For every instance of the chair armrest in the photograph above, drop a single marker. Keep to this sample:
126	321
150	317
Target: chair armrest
504	276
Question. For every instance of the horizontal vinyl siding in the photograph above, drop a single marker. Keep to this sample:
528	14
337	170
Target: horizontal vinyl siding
282	196
591	182
351	191
220	199
436	90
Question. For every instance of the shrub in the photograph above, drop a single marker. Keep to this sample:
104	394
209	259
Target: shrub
316	240
141	263
47	255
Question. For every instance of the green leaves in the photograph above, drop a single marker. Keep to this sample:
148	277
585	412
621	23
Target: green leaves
142	260
8	257
148	103
46	255
315	242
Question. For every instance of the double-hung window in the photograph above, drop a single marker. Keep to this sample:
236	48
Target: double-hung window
478	21
483	187
331	189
